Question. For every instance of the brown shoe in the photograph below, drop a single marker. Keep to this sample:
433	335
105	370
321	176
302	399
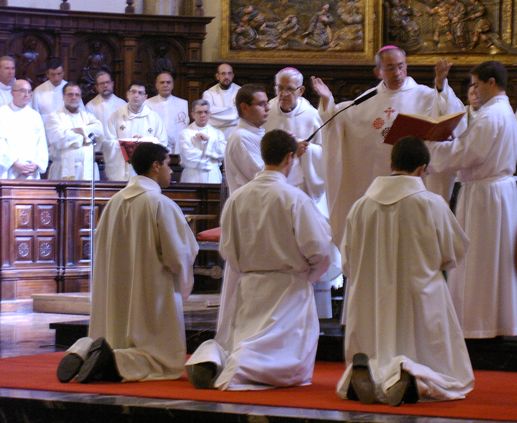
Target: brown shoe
361	380
404	391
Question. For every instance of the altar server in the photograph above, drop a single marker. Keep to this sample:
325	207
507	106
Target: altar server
275	243
484	286
7	79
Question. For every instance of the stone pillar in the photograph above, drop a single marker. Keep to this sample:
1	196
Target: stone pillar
162	7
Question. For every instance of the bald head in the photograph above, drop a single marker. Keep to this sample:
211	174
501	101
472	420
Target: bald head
22	93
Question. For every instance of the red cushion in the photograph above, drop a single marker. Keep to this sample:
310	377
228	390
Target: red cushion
211	235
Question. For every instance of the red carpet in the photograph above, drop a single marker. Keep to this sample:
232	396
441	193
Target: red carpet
494	398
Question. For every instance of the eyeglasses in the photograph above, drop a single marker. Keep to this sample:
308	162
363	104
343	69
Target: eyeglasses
287	90
137	92
23	91
262	104
393	68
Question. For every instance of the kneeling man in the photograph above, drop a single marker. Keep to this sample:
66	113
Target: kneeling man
403	341
144	256
276	244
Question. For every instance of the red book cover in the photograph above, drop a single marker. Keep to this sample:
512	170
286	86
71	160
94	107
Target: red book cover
427	128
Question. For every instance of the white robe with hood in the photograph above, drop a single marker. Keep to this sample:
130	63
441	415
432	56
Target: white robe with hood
144	255
275	243
399	238
353	142
484	286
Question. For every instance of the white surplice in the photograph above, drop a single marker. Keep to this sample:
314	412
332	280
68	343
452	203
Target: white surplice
174	113
242	159
6	96
124	124
144	256
201	160
353	143
103	108
308	174
47	98
223	112
484	286
22	138
71	159
275	243
399	238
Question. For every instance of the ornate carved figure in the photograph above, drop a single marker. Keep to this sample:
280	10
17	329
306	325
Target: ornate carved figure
351	36
403	26
443	21
161	62
457	16
319	32
96	63
28	56
476	13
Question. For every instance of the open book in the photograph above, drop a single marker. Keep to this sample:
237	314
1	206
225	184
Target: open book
425	127
127	146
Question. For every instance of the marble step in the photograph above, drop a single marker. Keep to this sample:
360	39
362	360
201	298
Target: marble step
79	303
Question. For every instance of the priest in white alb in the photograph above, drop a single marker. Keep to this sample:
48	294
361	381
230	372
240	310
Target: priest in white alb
71	132
353	142
23	144
293	113
201	148
484	286
403	340
172	110
221	98
136	122
268	327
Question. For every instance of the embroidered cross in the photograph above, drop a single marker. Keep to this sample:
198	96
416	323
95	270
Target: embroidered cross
389	111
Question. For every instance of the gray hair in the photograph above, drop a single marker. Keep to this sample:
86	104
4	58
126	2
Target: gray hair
291	73
200	102
7	59
382	50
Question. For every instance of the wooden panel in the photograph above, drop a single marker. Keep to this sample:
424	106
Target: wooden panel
129	46
45	243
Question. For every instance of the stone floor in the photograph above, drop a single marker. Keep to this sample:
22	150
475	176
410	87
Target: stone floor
26	333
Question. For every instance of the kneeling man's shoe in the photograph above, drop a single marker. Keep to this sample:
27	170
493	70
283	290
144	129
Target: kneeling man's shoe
68	367
404	391
361	380
202	375
99	364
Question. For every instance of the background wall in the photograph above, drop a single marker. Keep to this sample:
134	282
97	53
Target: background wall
211	49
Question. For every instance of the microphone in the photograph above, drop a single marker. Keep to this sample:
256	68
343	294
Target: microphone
356	102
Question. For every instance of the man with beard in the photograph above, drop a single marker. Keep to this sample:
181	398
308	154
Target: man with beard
70	132
221	98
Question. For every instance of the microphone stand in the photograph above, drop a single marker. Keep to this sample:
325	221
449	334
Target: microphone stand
92	138
357	101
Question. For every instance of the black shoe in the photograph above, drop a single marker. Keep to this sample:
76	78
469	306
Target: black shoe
361	379
68	367
99	364
202	375
404	391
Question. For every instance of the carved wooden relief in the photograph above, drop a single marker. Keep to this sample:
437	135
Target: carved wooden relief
23	249
24	216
